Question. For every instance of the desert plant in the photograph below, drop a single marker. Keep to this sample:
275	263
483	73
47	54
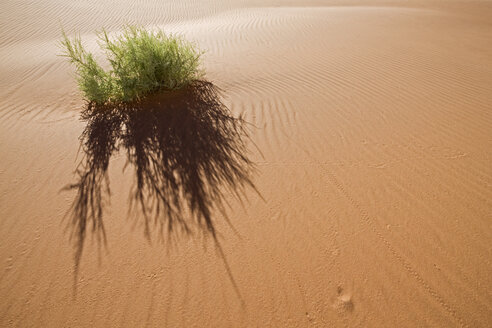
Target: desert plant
141	61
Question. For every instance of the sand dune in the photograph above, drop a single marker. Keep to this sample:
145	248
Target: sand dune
370	127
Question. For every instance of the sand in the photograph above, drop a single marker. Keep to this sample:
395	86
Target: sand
371	131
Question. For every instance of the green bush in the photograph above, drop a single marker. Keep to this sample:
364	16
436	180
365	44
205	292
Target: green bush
142	62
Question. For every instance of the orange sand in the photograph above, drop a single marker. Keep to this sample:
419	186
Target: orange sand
374	123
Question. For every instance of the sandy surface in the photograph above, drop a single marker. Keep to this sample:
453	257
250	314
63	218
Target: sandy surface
374	123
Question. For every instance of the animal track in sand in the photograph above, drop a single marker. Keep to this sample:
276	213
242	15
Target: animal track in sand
343	303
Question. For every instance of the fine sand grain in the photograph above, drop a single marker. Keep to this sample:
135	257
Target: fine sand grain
371	131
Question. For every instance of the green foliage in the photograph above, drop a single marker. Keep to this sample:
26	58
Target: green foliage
142	62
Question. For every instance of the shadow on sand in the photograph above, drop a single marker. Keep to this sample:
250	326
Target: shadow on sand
187	152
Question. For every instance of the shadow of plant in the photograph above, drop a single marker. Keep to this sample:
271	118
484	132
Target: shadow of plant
187	152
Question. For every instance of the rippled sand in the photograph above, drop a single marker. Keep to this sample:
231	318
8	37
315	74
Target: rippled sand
371	130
